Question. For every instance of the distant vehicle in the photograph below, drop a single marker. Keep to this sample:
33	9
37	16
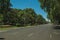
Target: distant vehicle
56	25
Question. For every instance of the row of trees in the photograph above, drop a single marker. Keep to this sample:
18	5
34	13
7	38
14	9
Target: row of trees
11	16
23	17
52	7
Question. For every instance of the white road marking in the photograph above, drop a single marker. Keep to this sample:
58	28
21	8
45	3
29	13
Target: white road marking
50	36
56	33
9	29
14	33
30	34
4	31
1	31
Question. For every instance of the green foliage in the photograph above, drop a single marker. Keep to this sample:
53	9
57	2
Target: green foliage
40	20
52	7
4	8
29	17
18	17
23	17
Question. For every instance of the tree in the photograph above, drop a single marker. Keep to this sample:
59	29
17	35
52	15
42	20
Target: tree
40	19
31	14
4	7
52	7
12	16
26	16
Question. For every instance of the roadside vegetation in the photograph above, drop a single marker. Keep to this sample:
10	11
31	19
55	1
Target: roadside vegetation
52	7
18	17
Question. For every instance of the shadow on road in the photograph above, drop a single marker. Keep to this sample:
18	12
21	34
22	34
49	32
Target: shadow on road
2	38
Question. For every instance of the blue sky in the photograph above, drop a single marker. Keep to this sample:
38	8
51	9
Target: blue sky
34	4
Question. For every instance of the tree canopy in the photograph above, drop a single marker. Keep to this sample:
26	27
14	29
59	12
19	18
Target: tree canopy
13	16
52	7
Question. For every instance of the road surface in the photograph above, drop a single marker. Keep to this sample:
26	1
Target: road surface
40	32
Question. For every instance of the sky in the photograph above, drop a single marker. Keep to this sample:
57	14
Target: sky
34	4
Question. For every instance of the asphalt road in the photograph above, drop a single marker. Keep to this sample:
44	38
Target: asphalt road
40	32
